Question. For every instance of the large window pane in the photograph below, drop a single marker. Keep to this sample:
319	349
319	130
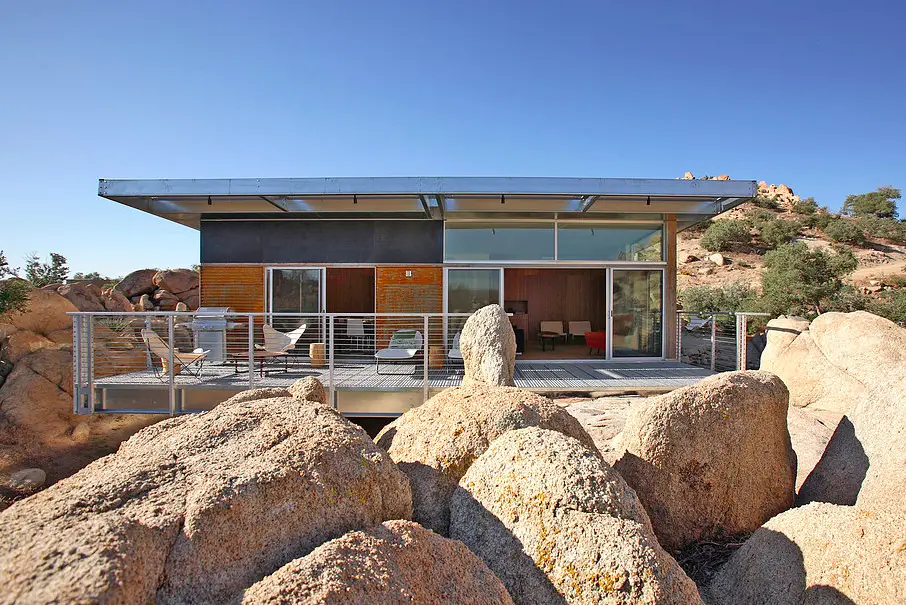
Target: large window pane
609	242
469	290
296	291
499	242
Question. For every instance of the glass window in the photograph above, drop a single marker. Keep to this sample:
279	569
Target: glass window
609	242
469	290
637	296
499	241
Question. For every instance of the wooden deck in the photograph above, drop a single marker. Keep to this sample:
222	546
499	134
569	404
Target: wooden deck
540	375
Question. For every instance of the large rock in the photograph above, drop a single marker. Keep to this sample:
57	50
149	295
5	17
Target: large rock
712	459
259	393
558	525
115	300
46	313
810	432
24	342
165	300
139	282
840	356
818	554
85	296
488	346
197	508
176	280
837	475
435	443
309	389
780	333
396	562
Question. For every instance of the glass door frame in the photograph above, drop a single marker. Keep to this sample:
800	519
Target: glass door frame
609	298
322	291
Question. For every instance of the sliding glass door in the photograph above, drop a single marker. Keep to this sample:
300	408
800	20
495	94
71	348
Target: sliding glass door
298	291
636	316
468	290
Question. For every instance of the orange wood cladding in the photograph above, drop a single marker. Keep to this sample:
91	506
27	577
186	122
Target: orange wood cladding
421	292
350	290
559	294
238	286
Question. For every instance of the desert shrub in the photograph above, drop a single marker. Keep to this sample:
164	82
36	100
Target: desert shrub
820	219
880	203
808	206
736	296
778	232
13	295
758	218
765	202
847	299
800	281
891	305
846	231
721	235
885	229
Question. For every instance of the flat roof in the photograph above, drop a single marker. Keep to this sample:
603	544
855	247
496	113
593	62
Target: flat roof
189	201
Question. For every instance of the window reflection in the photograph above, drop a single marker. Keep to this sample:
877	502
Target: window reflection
613	242
499	241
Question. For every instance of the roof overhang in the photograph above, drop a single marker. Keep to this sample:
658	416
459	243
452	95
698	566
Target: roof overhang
189	201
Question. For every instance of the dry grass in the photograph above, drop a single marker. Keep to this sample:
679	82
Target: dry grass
702	560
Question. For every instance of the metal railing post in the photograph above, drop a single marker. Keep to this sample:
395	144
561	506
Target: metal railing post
251	351
742	330
171	373
425	360
76	363
679	337
90	369
330	362
147	350
713	342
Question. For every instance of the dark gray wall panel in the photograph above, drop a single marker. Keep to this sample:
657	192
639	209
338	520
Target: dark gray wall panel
322	241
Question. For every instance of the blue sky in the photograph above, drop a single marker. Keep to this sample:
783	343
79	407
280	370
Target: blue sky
810	94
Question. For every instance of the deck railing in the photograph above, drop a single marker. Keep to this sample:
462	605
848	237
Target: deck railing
167	352
715	340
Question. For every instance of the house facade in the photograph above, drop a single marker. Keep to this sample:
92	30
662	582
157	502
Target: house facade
598	253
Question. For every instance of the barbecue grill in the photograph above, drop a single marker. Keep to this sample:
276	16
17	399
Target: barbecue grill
210	328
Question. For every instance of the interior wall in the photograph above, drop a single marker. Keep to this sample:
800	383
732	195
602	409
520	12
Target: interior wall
350	290
557	294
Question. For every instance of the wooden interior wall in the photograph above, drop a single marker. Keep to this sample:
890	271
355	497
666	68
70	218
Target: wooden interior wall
557	294
419	293
350	290
670	288
238	286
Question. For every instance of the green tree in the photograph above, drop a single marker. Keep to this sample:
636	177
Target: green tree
44	273
800	281
778	232
806	206
13	291
5	269
880	203
92	275
722	235
891	305
845	230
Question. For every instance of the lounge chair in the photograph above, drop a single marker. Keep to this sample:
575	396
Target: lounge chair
404	345
551	328
355	331
190	362
695	322
578	329
455	353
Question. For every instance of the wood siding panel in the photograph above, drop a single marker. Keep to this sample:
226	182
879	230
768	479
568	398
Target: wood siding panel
670	288
559	294
420	293
238	286
350	290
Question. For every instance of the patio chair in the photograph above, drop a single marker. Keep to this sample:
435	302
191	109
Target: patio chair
404	345
695	322
192	363
279	342
579	329
355	330
455	353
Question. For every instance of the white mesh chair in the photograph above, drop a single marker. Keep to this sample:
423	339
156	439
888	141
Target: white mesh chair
695	322
355	331
455	353
192	363
578	329
404	345
279	342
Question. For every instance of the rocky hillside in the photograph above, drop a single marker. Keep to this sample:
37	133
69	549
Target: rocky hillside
881	261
